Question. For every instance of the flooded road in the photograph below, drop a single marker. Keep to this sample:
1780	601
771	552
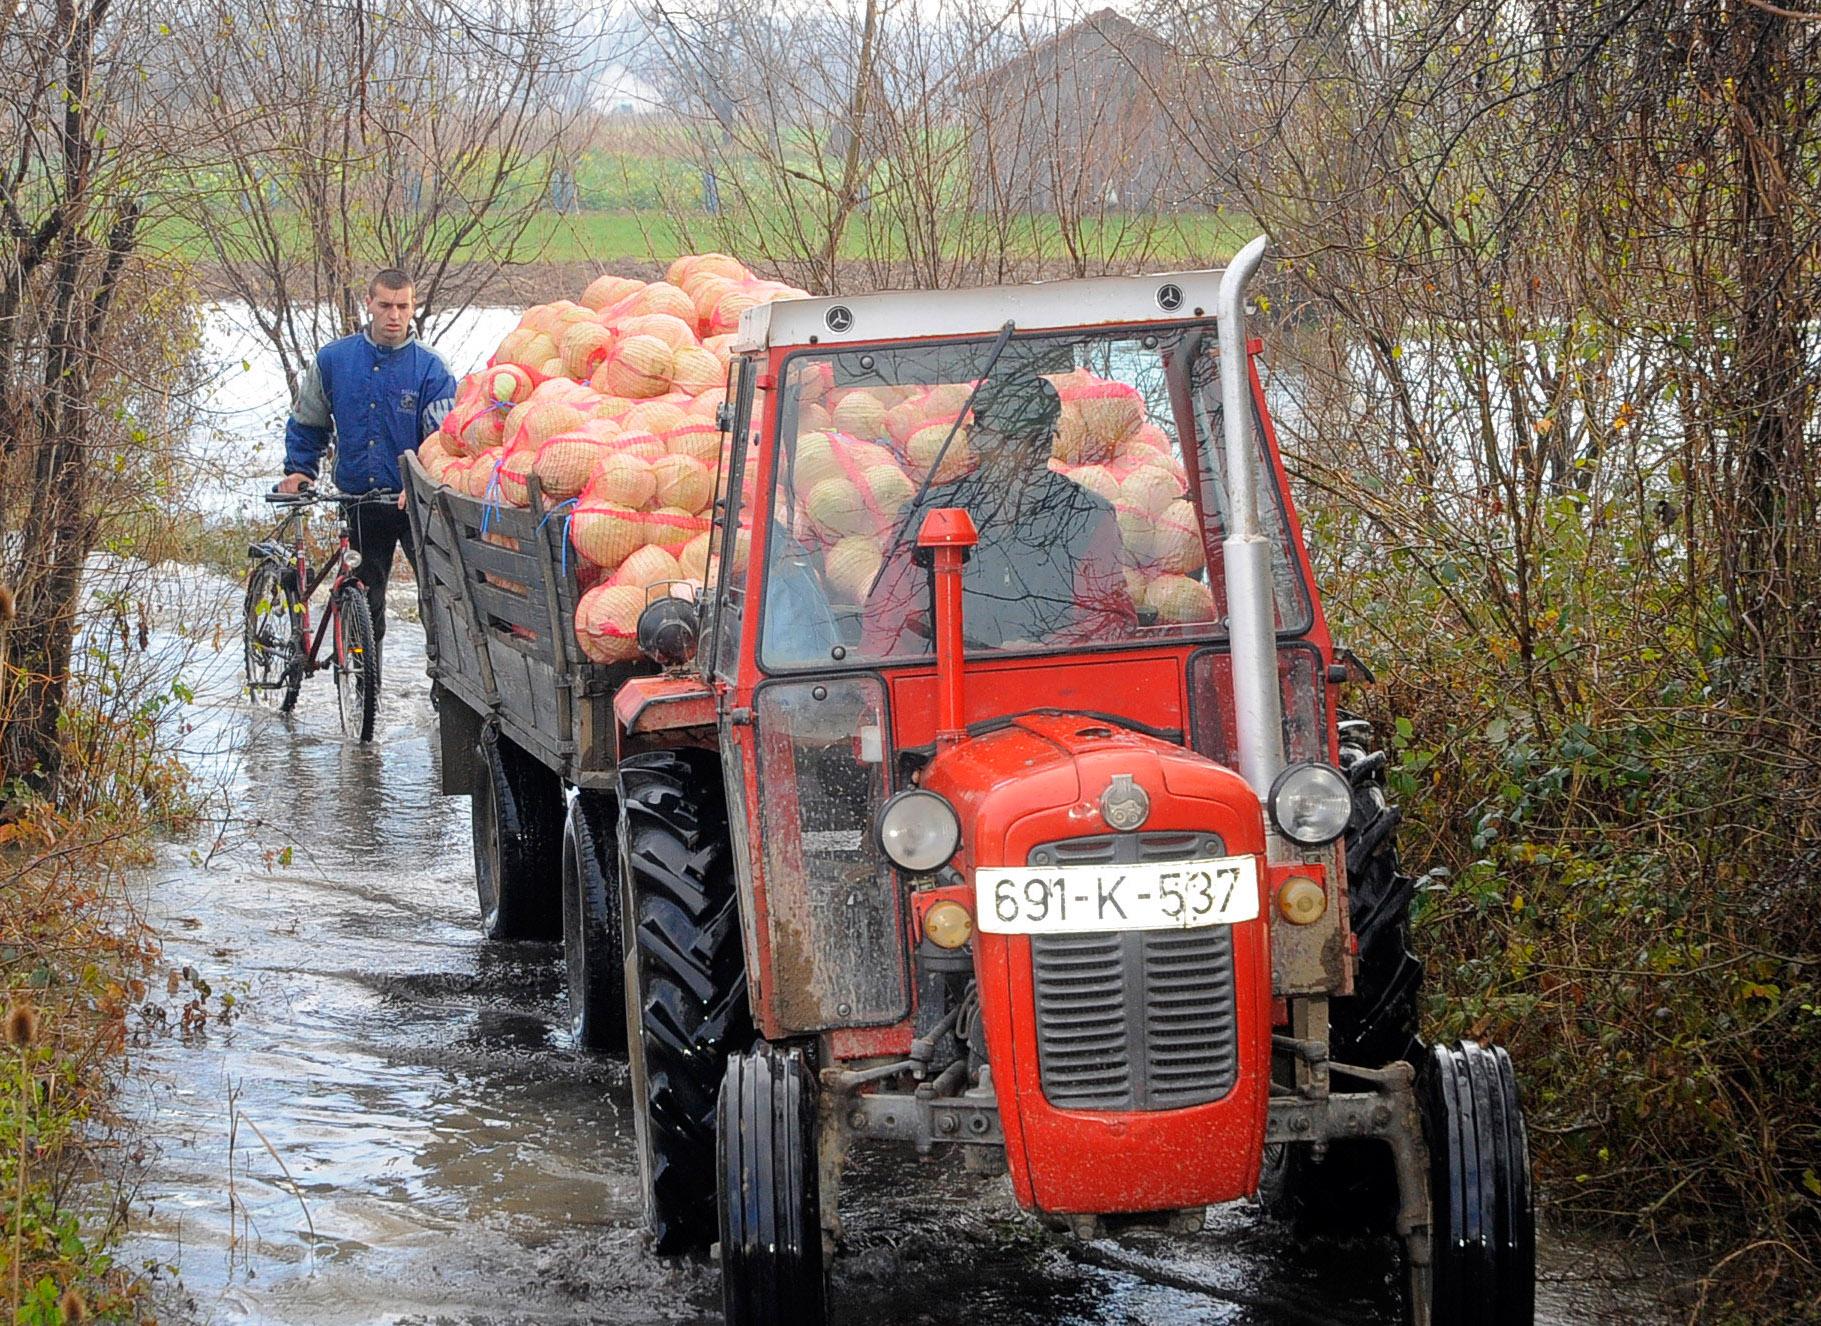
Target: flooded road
383	1121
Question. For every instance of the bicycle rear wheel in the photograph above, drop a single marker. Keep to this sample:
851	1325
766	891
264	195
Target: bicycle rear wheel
356	664
269	640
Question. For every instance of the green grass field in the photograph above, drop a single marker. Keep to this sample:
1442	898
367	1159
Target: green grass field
642	206
605	237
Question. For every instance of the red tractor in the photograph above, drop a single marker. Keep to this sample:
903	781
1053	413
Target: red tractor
995	795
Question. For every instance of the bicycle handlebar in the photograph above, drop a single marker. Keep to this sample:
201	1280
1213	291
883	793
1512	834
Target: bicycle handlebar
306	496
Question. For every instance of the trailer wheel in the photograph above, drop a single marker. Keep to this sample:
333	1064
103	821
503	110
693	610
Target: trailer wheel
517	810
685	974
592	954
1353	1189
1482	1211
770	1209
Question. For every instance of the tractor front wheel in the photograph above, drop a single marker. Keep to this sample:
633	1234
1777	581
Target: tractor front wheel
770	1211
685	981
1482	1224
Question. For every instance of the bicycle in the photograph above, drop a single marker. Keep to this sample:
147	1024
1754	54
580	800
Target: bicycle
280	649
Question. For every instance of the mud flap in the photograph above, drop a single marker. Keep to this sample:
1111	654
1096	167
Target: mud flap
458	729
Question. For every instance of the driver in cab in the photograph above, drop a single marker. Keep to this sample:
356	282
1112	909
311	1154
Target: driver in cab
1049	567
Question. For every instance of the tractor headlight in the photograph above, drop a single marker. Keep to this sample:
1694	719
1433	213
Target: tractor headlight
919	831
1311	803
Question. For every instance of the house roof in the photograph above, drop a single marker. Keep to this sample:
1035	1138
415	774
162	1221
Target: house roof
1107	26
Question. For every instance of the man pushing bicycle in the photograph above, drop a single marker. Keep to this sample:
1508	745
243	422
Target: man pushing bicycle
377	393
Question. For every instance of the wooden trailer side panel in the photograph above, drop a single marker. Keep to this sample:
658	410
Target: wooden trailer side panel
497	593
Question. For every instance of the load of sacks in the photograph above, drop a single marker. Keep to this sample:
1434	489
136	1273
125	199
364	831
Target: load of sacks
862	454
611	404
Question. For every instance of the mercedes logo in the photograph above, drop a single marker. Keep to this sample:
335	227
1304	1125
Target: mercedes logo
839	318
1169	297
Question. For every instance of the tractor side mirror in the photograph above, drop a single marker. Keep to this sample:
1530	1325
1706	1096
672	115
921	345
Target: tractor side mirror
1349	666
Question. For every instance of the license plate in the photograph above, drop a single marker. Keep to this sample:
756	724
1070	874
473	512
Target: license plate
1178	895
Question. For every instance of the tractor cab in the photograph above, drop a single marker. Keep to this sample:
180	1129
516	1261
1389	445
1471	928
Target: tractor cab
1088	456
1044	836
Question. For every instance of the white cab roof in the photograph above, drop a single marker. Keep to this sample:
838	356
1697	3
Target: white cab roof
902	314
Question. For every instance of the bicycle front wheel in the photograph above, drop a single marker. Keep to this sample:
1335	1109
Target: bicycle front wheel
356	664
269	639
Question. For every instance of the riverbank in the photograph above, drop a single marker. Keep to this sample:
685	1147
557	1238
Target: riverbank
85	984
78	967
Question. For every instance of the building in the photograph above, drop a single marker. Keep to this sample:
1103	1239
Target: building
1080	121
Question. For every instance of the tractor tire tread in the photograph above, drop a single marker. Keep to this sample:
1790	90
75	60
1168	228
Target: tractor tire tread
1378	1023
1484	1222
693	1011
772	1270
525	819
591	923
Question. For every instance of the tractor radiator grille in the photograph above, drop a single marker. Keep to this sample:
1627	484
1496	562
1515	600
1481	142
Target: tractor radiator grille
1141	1019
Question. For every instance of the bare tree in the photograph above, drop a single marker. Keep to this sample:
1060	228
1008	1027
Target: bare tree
775	104
88	336
428	136
933	146
1547	280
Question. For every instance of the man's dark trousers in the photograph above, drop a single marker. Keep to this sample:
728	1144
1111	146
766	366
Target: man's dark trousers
375	530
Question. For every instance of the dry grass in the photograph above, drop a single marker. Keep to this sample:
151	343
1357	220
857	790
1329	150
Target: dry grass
74	963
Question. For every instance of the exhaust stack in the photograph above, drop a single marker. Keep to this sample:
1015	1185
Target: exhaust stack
946	538
1246	552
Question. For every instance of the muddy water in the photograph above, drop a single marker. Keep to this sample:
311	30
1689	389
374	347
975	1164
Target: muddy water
390	1126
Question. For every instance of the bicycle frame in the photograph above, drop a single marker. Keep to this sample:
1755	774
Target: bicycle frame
353	650
309	582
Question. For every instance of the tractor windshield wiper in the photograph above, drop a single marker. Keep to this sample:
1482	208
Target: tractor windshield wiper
992	359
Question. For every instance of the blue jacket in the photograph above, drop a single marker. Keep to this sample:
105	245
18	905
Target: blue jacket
378	403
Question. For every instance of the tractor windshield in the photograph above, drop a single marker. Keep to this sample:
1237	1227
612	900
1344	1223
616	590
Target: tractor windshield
1090	464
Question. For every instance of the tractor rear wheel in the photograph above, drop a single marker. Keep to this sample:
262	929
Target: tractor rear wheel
517	810
1377	1024
593	956
770	1209
1482	1212
1353	1189
685	980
